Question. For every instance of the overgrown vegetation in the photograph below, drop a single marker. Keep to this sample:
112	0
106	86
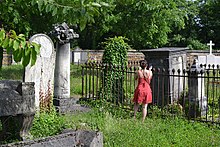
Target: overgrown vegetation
47	124
119	128
114	57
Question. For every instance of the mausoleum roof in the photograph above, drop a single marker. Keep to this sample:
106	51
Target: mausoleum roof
165	49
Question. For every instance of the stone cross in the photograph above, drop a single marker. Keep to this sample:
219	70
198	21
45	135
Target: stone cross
63	34
210	44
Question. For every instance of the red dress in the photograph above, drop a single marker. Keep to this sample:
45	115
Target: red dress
143	93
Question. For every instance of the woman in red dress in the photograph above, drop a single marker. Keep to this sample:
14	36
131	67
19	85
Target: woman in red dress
143	93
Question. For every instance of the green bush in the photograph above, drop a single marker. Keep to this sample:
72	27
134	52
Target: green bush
115	58
47	124
196	45
175	109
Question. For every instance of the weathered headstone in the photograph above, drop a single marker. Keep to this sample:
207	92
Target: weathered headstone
42	73
69	138
17	109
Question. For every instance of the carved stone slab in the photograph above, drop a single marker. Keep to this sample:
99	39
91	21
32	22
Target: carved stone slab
42	73
16	97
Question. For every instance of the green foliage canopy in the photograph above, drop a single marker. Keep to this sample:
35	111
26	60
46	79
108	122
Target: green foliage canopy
209	22
30	16
147	24
21	49
38	16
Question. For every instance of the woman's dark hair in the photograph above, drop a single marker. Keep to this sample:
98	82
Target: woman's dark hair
143	64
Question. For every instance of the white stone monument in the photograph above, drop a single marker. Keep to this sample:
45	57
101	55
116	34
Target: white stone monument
209	59
77	55
42	73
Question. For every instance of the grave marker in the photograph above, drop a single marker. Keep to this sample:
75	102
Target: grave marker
42	73
210	44
209	59
167	58
62	69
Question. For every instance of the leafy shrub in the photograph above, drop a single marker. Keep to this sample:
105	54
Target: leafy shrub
196	45
174	108
47	124
190	105
115	58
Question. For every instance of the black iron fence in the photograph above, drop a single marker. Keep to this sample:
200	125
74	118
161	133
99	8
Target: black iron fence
193	92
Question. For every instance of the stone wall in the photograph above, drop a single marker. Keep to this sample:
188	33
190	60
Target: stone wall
133	55
7	58
193	54
96	55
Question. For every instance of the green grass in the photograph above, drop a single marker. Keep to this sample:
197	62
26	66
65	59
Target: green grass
124	131
13	72
75	80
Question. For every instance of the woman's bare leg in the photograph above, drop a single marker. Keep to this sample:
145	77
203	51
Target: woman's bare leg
144	112
136	105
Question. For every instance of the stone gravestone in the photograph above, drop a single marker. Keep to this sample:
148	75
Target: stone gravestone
197	100
69	138
77	55
42	73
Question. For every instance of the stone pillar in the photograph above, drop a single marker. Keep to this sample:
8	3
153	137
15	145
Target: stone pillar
197	102
62	71
63	35
17	109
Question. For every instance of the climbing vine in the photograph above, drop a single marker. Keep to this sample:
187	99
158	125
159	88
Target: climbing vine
114	60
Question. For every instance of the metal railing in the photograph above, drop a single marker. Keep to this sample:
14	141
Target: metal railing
190	92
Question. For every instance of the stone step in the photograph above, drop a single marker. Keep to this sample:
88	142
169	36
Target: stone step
73	109
65	101
69	105
78	138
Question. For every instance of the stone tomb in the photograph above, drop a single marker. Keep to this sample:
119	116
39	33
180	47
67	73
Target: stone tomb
167	58
17	109
42	73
